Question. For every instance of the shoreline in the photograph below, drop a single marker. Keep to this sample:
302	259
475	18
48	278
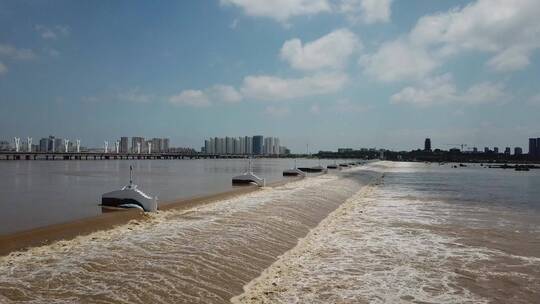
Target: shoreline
49	234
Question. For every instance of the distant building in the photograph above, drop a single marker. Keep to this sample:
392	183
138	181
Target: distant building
243	145
284	151
248	140
475	150
518	151
157	145
534	147
58	145
277	145
44	145
427	144
124	144
134	142
486	150
344	150
271	146
507	151
4	145
165	143
206	148
237	146
496	150
229	145
258	144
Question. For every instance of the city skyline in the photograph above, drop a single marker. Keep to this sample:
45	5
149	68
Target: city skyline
329	74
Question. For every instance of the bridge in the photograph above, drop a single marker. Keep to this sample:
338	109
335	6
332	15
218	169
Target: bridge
12	155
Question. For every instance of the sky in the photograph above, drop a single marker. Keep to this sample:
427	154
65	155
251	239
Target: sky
328	73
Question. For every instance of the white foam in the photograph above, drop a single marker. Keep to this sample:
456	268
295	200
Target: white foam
173	256
378	247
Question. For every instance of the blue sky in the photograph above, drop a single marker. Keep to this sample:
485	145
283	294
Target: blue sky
331	73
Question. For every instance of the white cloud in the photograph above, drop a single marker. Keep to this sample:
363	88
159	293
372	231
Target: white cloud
398	60
280	10
510	30
484	92
511	59
224	93
3	68
194	98
367	11
204	98
277	111
52	32
273	88
12	52
442	90
330	51
134	95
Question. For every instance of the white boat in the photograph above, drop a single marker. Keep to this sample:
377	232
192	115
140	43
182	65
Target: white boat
249	178
129	197
294	171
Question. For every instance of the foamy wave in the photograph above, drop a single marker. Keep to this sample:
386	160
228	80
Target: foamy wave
381	248
205	254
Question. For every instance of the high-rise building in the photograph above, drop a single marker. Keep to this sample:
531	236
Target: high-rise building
427	144
206	146
245	145
268	145
496	150
275	147
58	145
165	145
237	149
222	146
507	151
4	145
44	145
258	144
249	145
533	147
157	144
124	144
486	150
134	141
229	145
518	151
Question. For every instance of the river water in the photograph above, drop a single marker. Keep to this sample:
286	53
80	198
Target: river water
380	233
40	193
422	234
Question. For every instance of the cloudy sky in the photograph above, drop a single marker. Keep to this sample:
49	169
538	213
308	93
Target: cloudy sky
328	73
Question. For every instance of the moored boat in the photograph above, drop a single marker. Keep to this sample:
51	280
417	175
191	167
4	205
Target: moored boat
129	197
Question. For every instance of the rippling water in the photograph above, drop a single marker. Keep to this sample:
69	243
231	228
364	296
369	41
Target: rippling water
204	255
40	193
422	234
381	233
